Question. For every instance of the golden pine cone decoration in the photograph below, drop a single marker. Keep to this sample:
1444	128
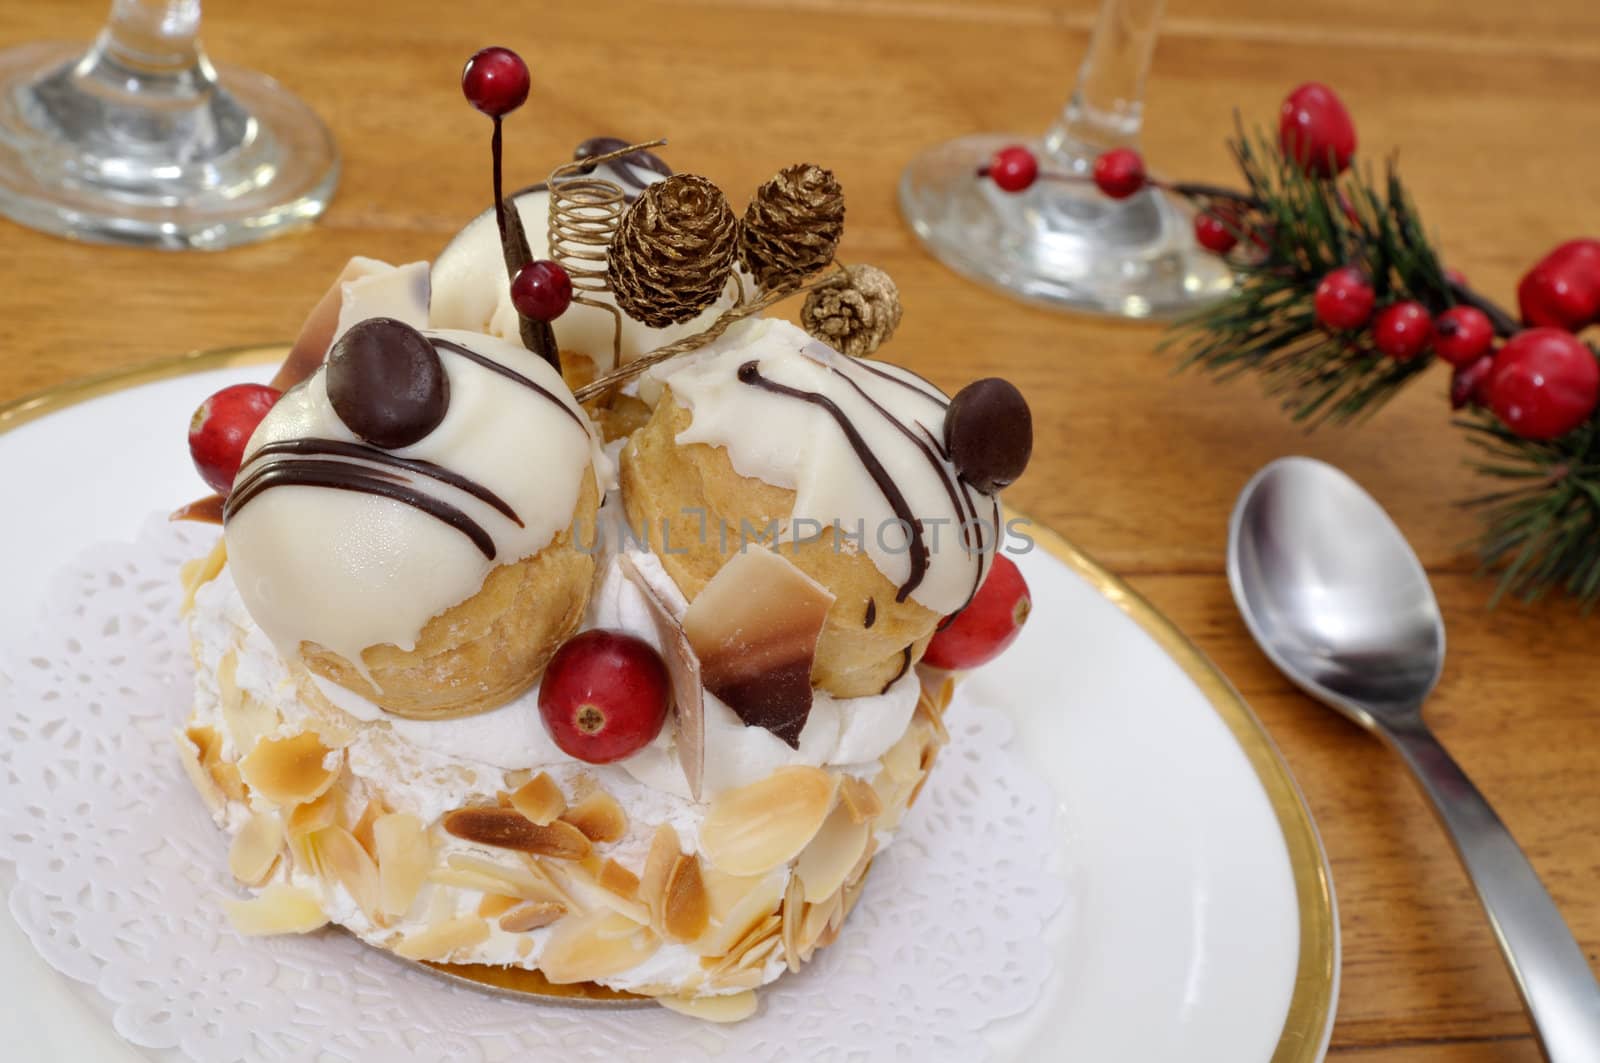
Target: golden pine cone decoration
673	251
853	312
792	225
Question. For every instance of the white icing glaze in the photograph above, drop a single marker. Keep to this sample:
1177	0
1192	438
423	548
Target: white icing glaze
382	290
349	571
798	445
470	290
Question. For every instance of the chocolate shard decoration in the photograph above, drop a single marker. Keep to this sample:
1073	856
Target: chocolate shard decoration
689	710
755	627
207	510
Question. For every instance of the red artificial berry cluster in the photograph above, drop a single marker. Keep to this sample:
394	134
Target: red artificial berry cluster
541	290
989	623
1119	173
1315	130
604	695
1562	290
1344	299
1543	383
1013	169
221	428
495	81
1214	233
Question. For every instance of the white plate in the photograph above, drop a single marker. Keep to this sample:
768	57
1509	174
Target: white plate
1199	924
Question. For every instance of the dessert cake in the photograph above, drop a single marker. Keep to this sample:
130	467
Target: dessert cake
573	625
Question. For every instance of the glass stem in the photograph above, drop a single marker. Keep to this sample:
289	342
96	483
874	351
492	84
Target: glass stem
1106	108
150	48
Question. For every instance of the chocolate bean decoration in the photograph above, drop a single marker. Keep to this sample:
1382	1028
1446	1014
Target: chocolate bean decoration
988	431
386	383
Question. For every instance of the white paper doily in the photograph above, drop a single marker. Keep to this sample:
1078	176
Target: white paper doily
120	875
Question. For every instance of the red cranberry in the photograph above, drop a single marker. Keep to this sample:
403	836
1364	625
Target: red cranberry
541	290
1544	383
1119	173
495	81
1402	331
1315	130
604	695
1343	299
989	623
222	426
1014	169
1462	334
1562	290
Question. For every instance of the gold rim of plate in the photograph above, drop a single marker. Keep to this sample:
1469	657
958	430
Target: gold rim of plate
1310	1005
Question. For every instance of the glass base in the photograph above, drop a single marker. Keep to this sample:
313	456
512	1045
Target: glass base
1059	244
185	162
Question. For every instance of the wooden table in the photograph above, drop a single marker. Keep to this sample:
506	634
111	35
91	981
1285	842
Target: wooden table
1493	104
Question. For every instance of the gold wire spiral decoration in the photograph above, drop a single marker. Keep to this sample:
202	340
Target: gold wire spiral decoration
585	212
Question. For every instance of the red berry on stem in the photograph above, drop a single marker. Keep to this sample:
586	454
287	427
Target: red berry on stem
1119	173
222	426
541	290
1213	234
1562	290
1469	383
1402	331
1462	334
604	695
1544	383
1343	299
989	623
1315	130
495	81
1014	169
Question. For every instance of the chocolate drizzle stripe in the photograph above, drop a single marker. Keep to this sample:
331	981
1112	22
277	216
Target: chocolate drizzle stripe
969	515
905	666
959	500
872	612
934	396
314	447
750	373
510	374
345	476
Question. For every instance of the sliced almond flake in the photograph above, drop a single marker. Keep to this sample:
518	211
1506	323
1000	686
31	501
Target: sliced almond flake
207	741
938	687
824	864
658	865
599	817
758	954
374	810
342	859
904	758
760	826
614	877
685	906
794	897
520	777
934	720
751	909
506	828
583	881
256	848
724	1007
858	798
737	978
859	871
249	720
314	815
552	877
768	929
815	922
225	774
290	771
539	800
228	693
279	909
598	945
467	871
688	702
404	852
525	948
199	778
495	905
441	941
531	916
198	571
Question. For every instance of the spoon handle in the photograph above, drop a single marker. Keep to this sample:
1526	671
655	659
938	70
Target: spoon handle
1557	986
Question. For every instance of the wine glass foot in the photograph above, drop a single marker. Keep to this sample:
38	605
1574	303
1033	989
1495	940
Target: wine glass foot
1059	244
185	159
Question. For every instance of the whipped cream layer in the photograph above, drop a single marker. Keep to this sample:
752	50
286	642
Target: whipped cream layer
470	290
350	570
858	441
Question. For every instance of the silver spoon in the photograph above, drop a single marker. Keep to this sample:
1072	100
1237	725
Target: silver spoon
1336	598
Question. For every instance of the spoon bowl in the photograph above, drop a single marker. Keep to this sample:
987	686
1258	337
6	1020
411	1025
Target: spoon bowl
1332	592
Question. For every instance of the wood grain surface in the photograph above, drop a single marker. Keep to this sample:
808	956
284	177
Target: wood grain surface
1490	104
